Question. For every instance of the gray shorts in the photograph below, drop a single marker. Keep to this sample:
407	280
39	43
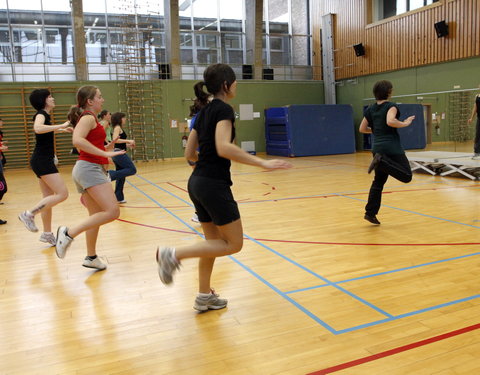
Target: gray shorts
86	174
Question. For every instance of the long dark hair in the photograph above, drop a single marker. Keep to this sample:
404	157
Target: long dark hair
117	118
216	77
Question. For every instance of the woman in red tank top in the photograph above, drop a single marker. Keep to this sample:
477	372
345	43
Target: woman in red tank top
89	175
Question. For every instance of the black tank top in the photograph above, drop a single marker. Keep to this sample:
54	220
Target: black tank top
477	102
44	146
122	146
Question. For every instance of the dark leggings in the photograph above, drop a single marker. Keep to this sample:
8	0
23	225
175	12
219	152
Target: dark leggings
476	147
396	166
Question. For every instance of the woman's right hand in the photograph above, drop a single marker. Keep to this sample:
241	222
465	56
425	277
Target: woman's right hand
276	164
111	154
470	120
409	120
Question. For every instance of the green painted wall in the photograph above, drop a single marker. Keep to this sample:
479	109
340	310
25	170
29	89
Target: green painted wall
424	79
175	98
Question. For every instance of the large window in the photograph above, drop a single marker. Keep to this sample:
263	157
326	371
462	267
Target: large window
388	8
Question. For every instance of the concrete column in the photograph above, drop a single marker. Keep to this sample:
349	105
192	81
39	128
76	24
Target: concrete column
253	35
79	42
172	38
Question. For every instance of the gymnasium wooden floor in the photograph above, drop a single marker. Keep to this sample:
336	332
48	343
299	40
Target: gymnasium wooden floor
315	290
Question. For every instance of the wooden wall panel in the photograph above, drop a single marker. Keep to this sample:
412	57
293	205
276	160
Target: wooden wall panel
400	42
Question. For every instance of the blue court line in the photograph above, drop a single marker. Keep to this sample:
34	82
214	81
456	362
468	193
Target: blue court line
415	213
329	283
385	272
266	247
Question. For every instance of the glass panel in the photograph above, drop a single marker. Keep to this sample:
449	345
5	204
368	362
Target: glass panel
59	45
278	11
56	5
28	44
231	10
401	6
96	45
207	48
279	50
415	4
301	50
5	47
205	15
186	48
94	13
21	12
232	48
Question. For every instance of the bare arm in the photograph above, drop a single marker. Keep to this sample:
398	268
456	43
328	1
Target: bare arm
364	128
227	150
79	140
116	135
394	123
191	153
474	111
39	126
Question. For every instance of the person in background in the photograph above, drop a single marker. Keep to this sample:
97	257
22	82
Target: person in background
209	185
476	142
105	118
381	119
52	186
89	176
3	182
124	166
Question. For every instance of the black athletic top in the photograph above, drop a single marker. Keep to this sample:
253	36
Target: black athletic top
44	146
123	135
209	163
477	102
386	138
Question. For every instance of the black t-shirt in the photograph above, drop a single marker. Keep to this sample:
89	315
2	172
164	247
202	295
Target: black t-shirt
386	138
209	164
44	147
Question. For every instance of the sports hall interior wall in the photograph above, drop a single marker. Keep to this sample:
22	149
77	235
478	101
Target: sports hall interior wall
173	104
429	85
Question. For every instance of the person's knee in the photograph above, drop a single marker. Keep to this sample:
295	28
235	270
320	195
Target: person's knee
235	246
62	195
113	213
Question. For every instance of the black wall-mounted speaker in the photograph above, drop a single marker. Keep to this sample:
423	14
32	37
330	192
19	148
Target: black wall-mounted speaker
247	71
268	74
164	71
359	49
441	28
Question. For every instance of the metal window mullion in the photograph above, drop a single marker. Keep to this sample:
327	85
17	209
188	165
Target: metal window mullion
219	36
44	35
267	32
290	36
12	46
109	44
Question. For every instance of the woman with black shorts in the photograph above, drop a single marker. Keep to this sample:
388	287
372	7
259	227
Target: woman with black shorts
209	185
476	141
52	186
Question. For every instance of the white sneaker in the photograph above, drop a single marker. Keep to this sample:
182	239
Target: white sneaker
122	201
96	263
63	242
209	302
195	218
48	237
476	157
28	220
167	264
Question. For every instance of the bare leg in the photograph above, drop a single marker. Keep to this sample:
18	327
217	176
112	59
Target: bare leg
205	265
54	191
104	198
92	233
230	241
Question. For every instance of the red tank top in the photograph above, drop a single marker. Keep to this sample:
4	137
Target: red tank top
96	137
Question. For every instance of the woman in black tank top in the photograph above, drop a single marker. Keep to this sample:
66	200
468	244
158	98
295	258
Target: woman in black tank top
43	165
124	166
476	142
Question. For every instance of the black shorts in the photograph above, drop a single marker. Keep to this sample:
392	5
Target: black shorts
43	166
213	200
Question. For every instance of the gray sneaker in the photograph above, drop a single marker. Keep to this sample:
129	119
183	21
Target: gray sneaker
167	264
48	237
63	242
96	263
211	302
28	220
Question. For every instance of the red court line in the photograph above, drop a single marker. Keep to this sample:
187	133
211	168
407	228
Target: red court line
394	351
316	242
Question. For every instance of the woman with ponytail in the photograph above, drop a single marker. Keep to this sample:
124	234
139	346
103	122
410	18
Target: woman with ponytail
52	186
90	176
209	185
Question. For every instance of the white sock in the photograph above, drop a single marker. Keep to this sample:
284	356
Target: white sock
204	295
